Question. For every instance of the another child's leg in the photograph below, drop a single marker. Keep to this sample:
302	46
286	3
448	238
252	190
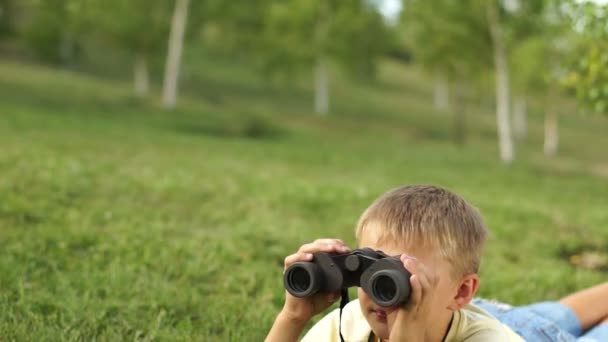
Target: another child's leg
589	305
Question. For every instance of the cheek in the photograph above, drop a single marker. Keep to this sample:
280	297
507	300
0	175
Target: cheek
390	319
363	298
446	290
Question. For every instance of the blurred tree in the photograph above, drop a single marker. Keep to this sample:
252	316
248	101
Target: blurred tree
461	40
458	39
512	22
298	35
529	79
495	13
8	9
450	40
174	53
285	38
588	76
231	28
138	26
537	62
359	37
56	28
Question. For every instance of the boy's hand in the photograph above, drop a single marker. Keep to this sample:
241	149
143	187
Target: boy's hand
303	309
413	320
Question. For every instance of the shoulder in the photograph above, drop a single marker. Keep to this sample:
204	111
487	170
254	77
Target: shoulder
472	324
354	327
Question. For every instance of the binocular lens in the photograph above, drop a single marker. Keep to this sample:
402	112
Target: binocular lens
299	279
303	279
384	288
388	287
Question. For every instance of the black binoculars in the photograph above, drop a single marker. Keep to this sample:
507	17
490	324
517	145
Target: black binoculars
382	277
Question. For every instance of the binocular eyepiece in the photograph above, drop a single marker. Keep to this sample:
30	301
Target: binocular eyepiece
383	278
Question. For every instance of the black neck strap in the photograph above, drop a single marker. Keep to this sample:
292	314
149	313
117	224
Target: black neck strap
343	302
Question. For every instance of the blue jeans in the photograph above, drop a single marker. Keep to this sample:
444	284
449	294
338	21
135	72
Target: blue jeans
545	321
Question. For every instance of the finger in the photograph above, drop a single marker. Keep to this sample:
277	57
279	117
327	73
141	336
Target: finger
300	256
337	242
327	247
430	275
420	270
416	296
329	241
420	279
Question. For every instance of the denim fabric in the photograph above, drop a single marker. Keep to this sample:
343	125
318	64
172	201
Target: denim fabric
545	321
597	333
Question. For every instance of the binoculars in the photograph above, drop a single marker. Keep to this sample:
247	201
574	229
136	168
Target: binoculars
382	277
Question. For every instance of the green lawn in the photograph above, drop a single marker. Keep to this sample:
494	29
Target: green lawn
119	221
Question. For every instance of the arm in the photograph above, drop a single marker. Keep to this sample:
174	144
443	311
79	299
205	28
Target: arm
285	328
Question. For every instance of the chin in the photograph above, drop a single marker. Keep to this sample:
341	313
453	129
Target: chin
382	332
379	326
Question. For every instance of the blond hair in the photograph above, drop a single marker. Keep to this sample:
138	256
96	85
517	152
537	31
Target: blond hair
427	216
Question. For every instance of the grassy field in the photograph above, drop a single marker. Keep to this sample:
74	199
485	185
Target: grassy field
119	221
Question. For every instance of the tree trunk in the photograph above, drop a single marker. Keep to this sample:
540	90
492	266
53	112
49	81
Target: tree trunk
176	42
441	91
502	86
460	114
67	49
321	87
141	76
321	63
520	118
551	136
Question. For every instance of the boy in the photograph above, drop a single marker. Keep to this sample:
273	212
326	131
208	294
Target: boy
439	237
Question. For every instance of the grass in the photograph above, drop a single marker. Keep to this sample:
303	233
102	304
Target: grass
119	221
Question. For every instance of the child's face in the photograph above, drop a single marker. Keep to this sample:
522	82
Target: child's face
381	319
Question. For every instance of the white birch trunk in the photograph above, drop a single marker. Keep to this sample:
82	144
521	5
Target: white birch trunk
321	87
321	63
441	92
520	118
174	54
141	75
551	136
502	86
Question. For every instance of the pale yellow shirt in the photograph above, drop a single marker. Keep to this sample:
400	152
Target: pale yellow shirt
470	324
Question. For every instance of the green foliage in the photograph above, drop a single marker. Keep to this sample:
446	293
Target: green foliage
7	18
287	40
288	36
59	31
590	78
448	36
230	27
589	74
56	28
526	18
139	26
359	38
545	47
454	37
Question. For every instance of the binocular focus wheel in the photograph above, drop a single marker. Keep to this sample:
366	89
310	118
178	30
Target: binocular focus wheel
352	263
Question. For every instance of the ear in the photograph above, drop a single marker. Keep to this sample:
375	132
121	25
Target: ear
465	291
